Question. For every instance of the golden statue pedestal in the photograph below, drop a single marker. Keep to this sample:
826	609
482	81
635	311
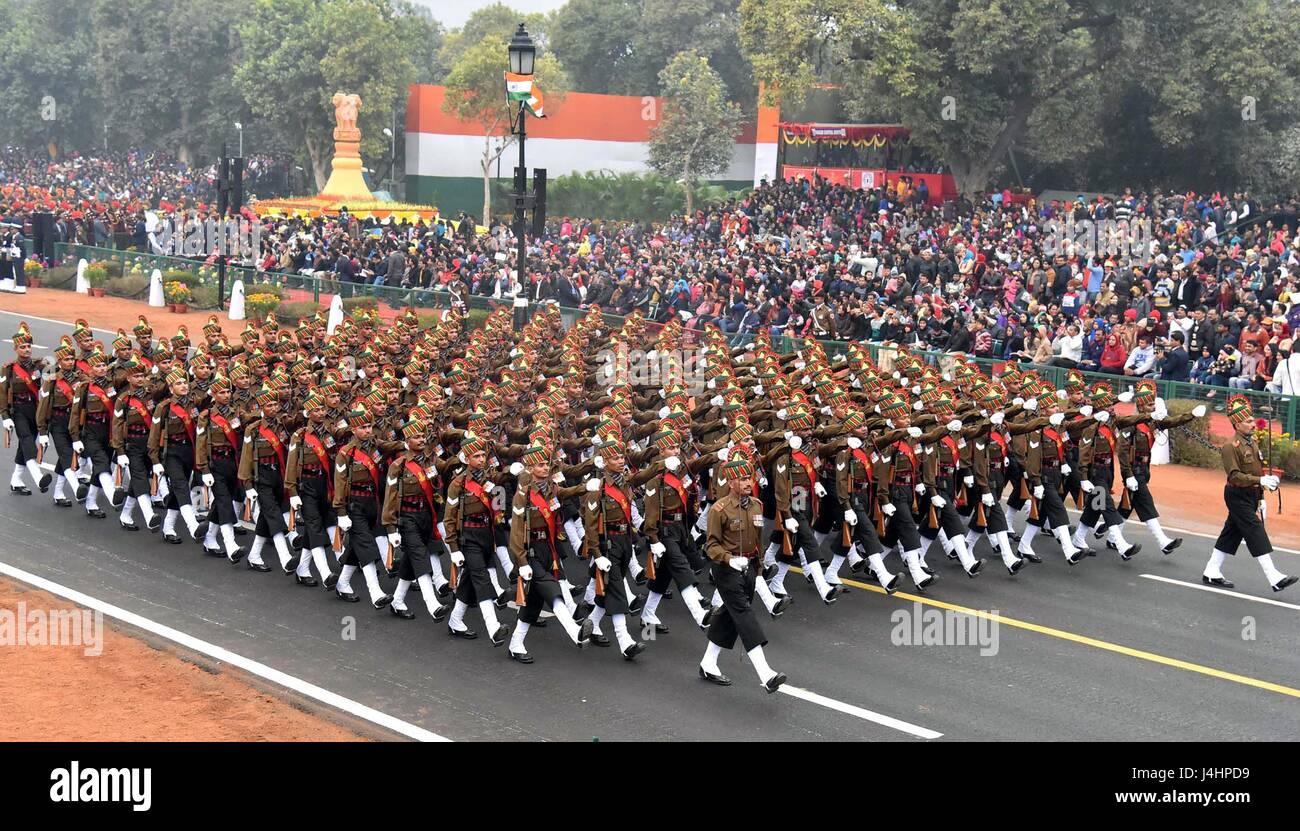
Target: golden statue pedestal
346	181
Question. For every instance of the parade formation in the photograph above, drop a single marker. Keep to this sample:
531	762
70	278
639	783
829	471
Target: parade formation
546	468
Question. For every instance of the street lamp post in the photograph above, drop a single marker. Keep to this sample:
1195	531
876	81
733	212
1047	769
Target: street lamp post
522	56
240	127
392	159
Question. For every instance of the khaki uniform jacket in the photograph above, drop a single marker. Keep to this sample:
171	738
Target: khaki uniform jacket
734	530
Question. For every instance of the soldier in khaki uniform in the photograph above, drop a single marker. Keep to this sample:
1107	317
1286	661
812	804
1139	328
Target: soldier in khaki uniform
471	526
262	465
535	528
171	449
358	489
216	460
309	484
732	546
88	427
132	427
1243	493
20	385
410	518
1098	453
52	418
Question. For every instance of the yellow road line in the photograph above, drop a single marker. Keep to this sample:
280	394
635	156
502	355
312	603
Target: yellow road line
1085	640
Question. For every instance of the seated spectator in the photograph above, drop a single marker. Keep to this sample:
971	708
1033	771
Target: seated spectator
1142	360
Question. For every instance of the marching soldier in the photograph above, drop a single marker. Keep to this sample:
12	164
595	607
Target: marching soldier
20	392
216	460
262	465
471	527
309	484
358	488
52	418
732	545
132	428
534	533
794	479
1243	494
88	427
1098	452
1043	459
897	475
410	518
853	470
171	448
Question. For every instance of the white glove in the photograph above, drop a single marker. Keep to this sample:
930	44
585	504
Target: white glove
888	509
1102	416
1065	470
395	539
1031	404
603	563
914	432
918	405
819	489
1125	396
209	480
1270	481
851	516
854	442
516	468
672	463
250	496
711	383
920	488
1086	485
1062	395
1199	411
657	549
159	471
1131	483
457	559
954	425
717	401
1056	418
762	481
599	462
791	524
997	418
43	440
739	563
1160	414
526	572
795	442
123	462
987	499
968	481
78	447
1038	491
723	453
345	524
781	413
593	485
557	478
758	389
938	501
8	424
1085	410
663	411
295	501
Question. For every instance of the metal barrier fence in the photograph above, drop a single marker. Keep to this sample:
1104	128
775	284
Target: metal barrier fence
1285	408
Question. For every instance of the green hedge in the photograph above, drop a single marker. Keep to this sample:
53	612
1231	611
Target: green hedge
60	277
205	297
288	314
132	286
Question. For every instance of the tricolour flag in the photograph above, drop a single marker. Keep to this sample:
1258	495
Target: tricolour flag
522	88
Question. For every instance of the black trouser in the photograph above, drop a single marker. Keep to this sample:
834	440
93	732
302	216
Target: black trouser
62	442
900	529
317	514
1051	509
270	500
1100	503
994	519
543	589
946	518
94	436
802	539
1070	483
416	528
736	617
1243	522
23	414
178	466
675	565
1141	500
1015	476
473	585
361	548
829	510
225	487
136	452
864	533
618	549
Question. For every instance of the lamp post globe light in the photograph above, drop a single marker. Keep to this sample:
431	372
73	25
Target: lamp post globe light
523	54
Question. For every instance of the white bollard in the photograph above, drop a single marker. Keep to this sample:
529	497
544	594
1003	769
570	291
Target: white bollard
336	314
83	285
237	300
156	289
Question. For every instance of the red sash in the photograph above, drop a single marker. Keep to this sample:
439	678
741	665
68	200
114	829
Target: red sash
1002	442
861	456
1049	433
65	388
1145	429
26	378
808	470
1109	435
103	397
83	366
323	458
224	426
616	494
184	415
543	507
368	463
906	449
676	484
138	405
276	445
418	472
475	488
952	447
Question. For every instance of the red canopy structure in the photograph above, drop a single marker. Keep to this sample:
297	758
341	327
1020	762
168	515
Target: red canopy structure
859	135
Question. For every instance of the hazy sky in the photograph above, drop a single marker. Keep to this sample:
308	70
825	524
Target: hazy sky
453	13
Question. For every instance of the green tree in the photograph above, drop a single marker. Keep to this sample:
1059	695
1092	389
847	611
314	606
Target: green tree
695	135
497	20
707	27
593	39
47	87
476	93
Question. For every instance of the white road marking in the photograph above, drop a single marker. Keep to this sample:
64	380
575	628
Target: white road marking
1218	590
866	715
1136	523
257	668
34	345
